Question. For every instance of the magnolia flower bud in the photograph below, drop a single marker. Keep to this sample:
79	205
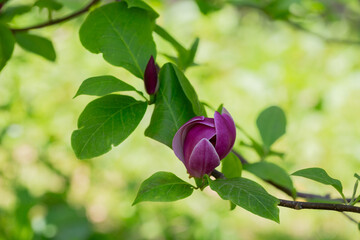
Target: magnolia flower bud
202	142
151	77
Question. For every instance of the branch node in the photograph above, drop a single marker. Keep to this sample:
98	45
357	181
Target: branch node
298	206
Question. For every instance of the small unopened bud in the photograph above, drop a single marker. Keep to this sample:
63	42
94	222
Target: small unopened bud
151	77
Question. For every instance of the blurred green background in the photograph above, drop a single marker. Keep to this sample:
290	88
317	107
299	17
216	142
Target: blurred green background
246	62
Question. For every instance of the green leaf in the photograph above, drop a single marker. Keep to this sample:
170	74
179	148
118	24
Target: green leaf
49	4
105	122
255	146
231	166
271	124
36	44
191	54
171	58
220	107
103	85
354	190
252	3
248	195
185	57
123	35
176	60
7	42
10	12
201	182
357	176
163	187
172	107
271	172
208	6
276	153
321	176
189	92
143	5
280	9
166	36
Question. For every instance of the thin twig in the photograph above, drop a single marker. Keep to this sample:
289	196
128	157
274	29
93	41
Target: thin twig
305	205
326	39
59	20
301	28
350	218
319	206
218	175
288	191
240	157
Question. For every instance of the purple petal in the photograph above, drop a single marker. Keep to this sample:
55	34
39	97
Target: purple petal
225	133
194	135
151	77
179	138
208	122
203	159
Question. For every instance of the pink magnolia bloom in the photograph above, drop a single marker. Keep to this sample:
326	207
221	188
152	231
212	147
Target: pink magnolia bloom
151	77
202	142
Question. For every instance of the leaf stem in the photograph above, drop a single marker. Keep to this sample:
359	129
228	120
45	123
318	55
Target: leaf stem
142	95
356	200
166	36
354	191
59	20
344	198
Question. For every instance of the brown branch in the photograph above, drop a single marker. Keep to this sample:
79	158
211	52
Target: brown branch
218	175
326	39
320	206
305	205
59	20
288	191
300	27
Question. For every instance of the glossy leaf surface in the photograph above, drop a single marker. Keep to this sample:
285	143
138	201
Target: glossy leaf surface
106	122
248	195
163	187
123	35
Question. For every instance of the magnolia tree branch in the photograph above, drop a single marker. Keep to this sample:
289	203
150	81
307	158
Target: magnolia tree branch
326	39
300	27
59	20
320	206
305	205
288	191
283	203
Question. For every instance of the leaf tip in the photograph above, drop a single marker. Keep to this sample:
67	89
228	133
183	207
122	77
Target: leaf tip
135	202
